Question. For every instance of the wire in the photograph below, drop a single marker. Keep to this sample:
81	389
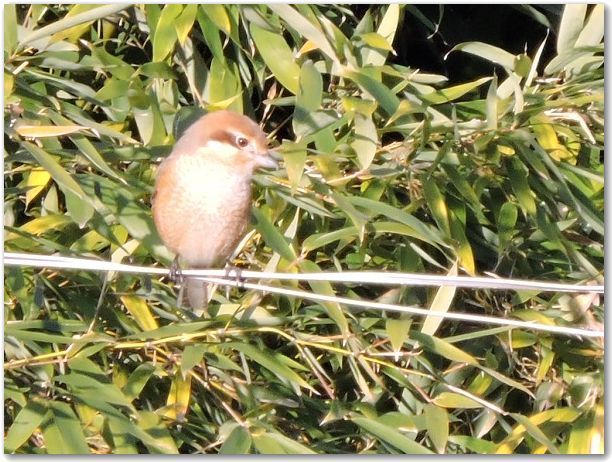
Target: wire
475	318
363	277
20	259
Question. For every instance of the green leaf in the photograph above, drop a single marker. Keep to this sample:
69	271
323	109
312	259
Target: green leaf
492	100
101	12
294	155
593	31
88	150
422	231
305	28
518	181
375	89
536	432
218	15
477	445
452	400
489	52
390	436
210	31
238	442
273	237
308	99
184	22
137	380
165	37
334	310
10	28
507	217
437	204
78	209
52	436
366	140
436	420
271	363
60	176
122	442
225	86
26	421
286	445
192	355
375	40
463	248
449	94
265	444
65	428
357	218
507	380
158	438
397	330
277	56
443	348
572	22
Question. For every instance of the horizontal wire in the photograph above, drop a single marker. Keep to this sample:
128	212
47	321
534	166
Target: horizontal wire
475	318
365	277
19	259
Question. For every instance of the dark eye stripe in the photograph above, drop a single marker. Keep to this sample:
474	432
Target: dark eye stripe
225	136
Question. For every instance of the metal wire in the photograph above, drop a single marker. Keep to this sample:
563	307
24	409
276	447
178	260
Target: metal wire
223	278
361	277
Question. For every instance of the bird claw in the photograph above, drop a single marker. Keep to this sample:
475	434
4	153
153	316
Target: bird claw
176	275
233	272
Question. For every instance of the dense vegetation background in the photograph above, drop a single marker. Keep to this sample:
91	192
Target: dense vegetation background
449	140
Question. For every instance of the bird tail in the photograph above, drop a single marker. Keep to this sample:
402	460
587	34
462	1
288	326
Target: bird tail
199	293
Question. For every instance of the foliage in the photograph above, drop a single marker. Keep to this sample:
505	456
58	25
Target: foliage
385	167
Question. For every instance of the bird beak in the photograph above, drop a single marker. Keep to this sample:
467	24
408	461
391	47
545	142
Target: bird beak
267	159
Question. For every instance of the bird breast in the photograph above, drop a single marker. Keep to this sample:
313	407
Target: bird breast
201	208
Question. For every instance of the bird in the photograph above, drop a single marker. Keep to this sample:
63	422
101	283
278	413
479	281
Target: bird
201	202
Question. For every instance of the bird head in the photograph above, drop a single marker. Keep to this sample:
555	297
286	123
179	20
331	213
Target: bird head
229	138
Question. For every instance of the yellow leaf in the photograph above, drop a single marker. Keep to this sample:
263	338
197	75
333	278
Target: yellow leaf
43	131
452	400
40	225
546	135
178	398
35	183
218	14
463	248
440	303
75	32
308	46
9	83
141	312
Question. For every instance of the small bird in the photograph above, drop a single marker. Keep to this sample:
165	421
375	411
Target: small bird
202	199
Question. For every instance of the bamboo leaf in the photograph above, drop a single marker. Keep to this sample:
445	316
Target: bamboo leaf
436	420
390	435
63	24
489	52
571	24
27	420
238	442
278	57
59	174
441	302
141	312
165	36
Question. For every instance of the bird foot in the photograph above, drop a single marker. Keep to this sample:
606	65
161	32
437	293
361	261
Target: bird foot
176	275
233	272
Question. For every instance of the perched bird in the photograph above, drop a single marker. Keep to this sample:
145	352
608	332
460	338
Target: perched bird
202	198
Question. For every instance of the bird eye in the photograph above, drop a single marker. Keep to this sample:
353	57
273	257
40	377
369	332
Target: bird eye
242	142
